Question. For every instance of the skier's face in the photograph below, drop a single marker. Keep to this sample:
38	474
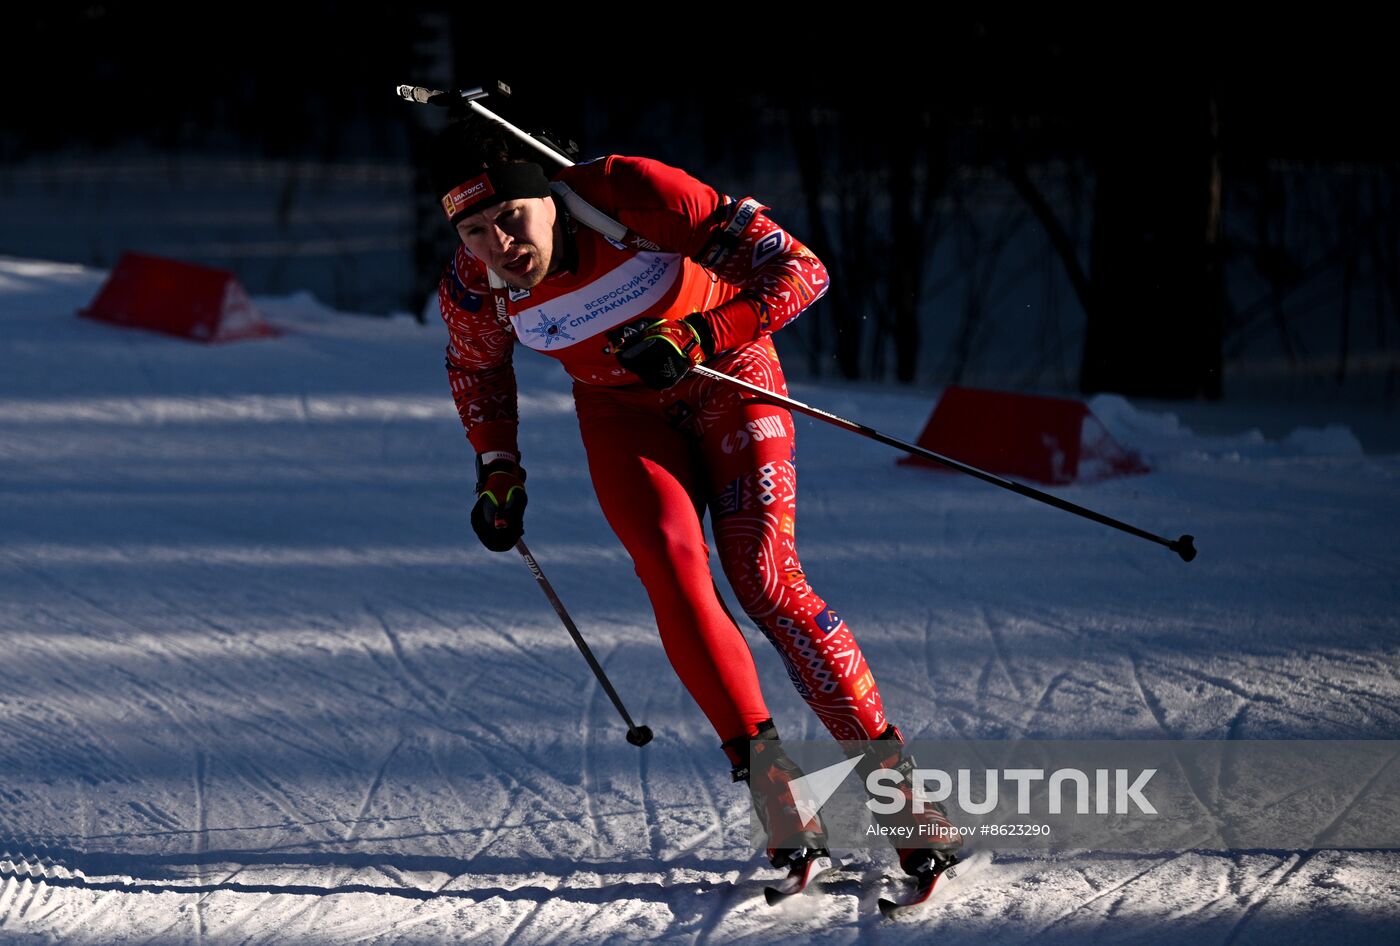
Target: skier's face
515	239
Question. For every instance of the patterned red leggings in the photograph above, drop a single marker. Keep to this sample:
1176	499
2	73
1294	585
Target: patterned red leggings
657	459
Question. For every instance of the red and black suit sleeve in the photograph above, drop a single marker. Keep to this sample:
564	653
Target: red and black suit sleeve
479	350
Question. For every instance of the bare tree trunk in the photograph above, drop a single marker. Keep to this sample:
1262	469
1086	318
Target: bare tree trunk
808	149
1060	239
1156	322
913	233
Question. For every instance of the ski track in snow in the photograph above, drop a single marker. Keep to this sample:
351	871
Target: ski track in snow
260	685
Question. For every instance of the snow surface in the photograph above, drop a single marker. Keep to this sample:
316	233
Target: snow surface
259	683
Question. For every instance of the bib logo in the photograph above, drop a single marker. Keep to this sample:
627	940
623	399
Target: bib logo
755	431
550	330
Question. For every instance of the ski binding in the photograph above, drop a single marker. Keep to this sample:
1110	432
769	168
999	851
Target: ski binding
800	873
924	884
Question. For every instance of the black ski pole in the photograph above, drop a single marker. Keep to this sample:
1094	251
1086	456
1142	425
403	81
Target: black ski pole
637	735
1184	546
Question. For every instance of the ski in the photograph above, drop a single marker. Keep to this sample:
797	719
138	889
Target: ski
799	876
924	885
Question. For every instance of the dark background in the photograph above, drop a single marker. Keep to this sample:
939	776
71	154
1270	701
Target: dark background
1151	206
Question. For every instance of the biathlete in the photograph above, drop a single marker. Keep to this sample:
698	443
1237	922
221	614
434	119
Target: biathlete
628	272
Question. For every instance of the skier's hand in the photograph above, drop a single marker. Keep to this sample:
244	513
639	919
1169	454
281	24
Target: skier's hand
499	514
666	350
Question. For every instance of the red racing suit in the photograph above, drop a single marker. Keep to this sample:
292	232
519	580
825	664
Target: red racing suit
659	458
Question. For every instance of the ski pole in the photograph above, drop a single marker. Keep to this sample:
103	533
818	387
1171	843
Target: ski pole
1184	546
637	735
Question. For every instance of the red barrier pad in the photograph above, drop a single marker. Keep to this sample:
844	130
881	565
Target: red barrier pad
1024	436
184	299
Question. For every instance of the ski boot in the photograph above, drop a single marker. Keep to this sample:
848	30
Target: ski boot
933	843
796	843
769	772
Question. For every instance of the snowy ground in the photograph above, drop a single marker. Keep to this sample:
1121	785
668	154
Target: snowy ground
260	684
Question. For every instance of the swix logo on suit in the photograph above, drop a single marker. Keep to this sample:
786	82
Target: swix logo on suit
755	431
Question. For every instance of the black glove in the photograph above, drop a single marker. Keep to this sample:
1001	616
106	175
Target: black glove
666	350
499	514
